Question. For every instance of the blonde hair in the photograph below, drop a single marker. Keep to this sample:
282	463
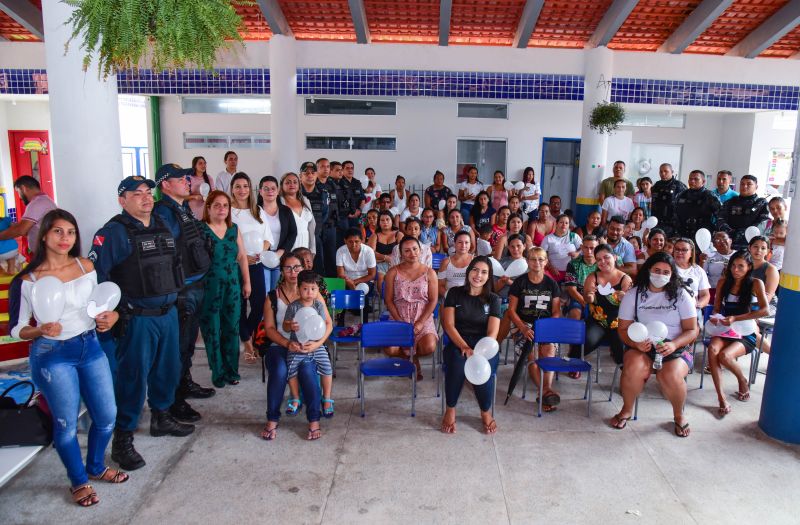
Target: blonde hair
538	250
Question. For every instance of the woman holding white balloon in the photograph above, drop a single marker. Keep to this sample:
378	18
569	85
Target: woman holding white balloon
66	360
471	319
740	299
562	246
453	270
200	185
225	291
516	252
657	297
692	275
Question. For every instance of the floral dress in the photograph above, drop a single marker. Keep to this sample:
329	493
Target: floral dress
219	316
605	308
410	298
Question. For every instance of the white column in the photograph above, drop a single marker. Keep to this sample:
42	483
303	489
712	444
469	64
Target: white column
283	95
84	123
599	66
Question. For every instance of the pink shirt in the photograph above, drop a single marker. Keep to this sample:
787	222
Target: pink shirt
34	211
194	189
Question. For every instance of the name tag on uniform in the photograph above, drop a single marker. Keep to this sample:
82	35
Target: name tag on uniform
148	245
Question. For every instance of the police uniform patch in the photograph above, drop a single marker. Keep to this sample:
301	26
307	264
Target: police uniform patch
98	240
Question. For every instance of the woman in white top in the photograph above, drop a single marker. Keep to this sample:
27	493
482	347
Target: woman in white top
562	246
250	218
657	296
453	270
399	194
301	209
617	204
66	360
413	228
530	194
371	191
467	191
692	275
413	210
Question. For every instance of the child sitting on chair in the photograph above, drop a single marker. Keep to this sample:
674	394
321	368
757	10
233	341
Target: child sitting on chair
313	351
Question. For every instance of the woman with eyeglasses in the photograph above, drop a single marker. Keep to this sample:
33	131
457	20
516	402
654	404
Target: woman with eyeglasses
657	295
692	275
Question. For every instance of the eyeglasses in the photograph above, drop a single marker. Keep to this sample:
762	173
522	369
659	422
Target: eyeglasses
681	250
295	268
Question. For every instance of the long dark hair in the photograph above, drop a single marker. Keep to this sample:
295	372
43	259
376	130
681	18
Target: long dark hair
746	288
194	169
266	178
476	208
486	292
642	281
40	253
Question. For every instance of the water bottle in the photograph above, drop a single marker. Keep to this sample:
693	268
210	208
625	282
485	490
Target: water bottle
657	362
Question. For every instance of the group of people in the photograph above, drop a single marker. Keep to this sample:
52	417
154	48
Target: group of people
197	259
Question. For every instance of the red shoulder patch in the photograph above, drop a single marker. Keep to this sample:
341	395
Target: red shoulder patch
98	240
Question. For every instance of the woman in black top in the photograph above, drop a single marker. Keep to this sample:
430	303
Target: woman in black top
471	312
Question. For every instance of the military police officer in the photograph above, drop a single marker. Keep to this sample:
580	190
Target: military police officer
695	207
745	210
194	248
320	201
137	251
329	234
664	194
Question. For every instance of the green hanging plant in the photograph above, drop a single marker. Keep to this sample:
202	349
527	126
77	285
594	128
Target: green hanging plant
606	117
160	34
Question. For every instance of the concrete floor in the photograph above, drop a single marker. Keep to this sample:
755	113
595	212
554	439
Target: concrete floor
389	467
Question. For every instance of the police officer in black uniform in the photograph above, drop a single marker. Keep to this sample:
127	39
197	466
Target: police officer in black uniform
137	251
318	198
354	195
695	207
328	174
745	210
665	192
195	251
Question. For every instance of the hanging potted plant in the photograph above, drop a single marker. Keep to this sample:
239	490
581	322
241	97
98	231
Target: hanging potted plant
162	34
606	117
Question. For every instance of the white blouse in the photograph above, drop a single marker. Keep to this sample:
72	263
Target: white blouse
74	321
305	227
246	223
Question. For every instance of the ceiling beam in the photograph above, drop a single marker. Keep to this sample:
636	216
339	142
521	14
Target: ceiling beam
694	25
527	22
445	10
275	17
611	22
359	15
769	32
25	14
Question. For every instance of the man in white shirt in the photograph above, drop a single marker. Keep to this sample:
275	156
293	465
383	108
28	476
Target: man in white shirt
223	180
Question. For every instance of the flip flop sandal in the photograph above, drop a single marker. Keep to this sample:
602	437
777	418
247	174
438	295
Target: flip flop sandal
574	375
269	434
327	412
682	431
449	428
743	396
491	428
724	411
293	407
551	399
87	500
117	476
314	434
621	422
546	408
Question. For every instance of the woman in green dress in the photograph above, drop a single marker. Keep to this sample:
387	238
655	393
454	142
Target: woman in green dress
226	282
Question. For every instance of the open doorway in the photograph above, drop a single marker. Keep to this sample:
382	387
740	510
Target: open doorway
560	159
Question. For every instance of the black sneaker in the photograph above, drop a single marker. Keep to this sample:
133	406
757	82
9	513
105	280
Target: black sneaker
123	453
191	390
163	424
180	409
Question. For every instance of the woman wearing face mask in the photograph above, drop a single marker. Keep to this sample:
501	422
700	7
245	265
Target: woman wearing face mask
739	297
657	296
692	275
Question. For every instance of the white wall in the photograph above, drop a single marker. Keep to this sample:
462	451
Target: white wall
736	144
765	138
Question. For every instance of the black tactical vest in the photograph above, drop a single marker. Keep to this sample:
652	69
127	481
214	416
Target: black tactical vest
154	265
195	247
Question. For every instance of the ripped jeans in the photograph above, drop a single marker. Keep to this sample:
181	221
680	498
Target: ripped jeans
65	372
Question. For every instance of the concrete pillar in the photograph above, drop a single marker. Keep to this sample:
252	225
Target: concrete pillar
87	157
283	95
780	417
598	66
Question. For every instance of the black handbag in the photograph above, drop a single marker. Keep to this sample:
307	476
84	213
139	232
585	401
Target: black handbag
25	424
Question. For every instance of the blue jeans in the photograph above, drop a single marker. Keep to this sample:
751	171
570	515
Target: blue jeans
466	210
454	376
271	276
65	372
277	380
258	294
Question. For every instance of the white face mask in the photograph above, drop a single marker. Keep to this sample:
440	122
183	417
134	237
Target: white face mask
659	281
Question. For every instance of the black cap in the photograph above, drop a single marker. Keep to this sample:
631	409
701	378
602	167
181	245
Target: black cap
133	182
307	164
169	171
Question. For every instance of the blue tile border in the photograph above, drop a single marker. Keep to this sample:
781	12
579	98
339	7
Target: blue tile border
423	83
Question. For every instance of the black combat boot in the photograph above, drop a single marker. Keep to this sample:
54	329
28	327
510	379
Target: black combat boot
188	389
163	424
123	453
181	410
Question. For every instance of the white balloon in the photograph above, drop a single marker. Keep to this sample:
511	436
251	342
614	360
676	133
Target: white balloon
637	332
48	298
651	222
270	259
744	327
105	297
205	189
751	232
497	268
703	239
442	204
477	369
487	347
519	186
394	211
304	314
508	185
517	268
713	330
253	242
656	330
363	287
314	328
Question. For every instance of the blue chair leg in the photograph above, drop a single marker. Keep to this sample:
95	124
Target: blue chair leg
613	381
363	394
703	365
413	394
589	388
541	382
596	366
494	393
636	409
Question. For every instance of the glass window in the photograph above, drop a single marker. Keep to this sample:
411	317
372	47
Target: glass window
242	106
654	119
336	106
473	110
226	140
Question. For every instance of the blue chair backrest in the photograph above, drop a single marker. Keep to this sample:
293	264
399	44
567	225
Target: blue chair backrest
559	330
387	333
347	300
707	312
445	339
437	259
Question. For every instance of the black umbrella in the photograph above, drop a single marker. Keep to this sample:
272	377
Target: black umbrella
519	368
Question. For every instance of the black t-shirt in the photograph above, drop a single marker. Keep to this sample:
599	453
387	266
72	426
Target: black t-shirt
535	300
471	314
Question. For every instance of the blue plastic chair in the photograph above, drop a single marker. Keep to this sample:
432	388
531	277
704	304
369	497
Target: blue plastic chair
383	334
385	317
436	260
440	383
345	300
705	340
566	331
